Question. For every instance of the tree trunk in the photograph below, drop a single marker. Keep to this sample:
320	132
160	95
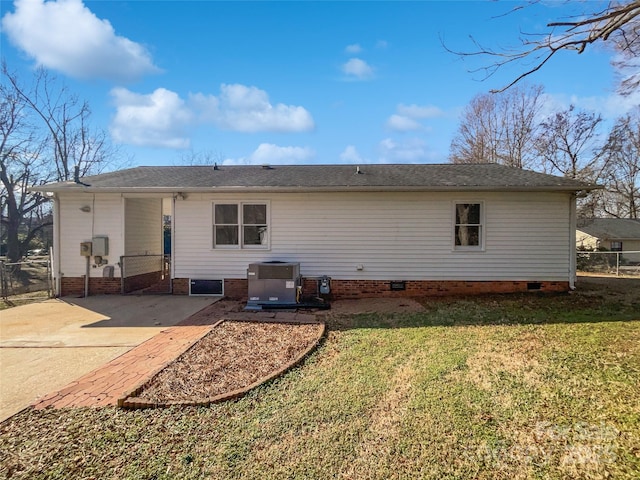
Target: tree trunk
13	243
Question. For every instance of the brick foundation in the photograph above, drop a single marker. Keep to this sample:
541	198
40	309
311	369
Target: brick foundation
236	288
144	280
74	286
437	288
180	286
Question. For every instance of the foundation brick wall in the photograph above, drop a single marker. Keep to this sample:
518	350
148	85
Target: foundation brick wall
436	288
236	288
105	286
180	286
74	286
71	286
138	282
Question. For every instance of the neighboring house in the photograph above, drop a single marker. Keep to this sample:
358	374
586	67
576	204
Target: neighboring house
375	230
614	234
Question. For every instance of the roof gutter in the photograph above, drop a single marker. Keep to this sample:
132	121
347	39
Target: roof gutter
297	189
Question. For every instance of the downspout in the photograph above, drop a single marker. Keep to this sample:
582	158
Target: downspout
86	277
57	275
173	241
572	241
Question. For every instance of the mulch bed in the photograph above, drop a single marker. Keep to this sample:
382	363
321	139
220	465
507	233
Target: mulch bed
231	359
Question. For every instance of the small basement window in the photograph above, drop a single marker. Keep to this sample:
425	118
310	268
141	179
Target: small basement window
468	229
206	287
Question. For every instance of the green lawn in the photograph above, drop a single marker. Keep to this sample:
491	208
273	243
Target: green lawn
494	387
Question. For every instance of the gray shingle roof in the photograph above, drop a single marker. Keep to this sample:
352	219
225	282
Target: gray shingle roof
323	177
610	228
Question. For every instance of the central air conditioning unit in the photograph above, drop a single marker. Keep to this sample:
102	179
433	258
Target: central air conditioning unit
273	284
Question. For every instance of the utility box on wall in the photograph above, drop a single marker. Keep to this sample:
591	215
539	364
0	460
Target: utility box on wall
100	246
85	249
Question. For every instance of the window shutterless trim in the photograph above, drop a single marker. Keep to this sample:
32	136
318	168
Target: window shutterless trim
481	227
240	245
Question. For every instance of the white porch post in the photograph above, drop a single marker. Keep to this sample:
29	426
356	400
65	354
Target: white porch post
57	287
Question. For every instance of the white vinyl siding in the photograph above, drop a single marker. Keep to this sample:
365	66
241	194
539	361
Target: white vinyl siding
399	236
104	218
143	226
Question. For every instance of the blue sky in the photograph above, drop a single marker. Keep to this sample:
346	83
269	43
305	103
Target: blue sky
288	82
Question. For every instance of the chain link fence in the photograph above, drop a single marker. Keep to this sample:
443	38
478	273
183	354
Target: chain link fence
612	263
25	278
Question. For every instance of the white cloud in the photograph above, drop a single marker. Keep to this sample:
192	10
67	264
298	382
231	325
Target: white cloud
353	49
419	111
413	150
401	123
65	35
407	117
382	44
610	106
268	154
160	118
351	155
357	69
157	119
248	109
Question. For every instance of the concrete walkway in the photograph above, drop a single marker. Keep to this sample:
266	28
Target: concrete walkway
45	346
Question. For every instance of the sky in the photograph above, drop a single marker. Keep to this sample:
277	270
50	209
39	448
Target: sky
290	82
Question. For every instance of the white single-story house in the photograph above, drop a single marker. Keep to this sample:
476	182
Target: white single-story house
374	230
613	234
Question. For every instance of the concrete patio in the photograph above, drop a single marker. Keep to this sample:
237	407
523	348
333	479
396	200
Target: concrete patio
45	346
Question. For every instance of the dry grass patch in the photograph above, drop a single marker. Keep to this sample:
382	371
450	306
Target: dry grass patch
385	425
488	365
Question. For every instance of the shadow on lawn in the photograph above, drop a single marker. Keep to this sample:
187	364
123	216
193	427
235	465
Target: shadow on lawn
594	301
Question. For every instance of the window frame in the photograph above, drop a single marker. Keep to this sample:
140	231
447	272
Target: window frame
241	225
617	247
481	231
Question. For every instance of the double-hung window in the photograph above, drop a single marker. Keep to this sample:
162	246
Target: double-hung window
240	225
468	229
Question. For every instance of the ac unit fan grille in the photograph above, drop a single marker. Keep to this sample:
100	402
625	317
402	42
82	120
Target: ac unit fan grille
275	272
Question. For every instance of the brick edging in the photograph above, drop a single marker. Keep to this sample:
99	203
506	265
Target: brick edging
132	401
138	388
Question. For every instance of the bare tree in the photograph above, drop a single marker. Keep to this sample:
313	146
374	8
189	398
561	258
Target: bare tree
476	139
203	158
568	144
617	26
499	128
44	134
622	172
20	165
66	121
